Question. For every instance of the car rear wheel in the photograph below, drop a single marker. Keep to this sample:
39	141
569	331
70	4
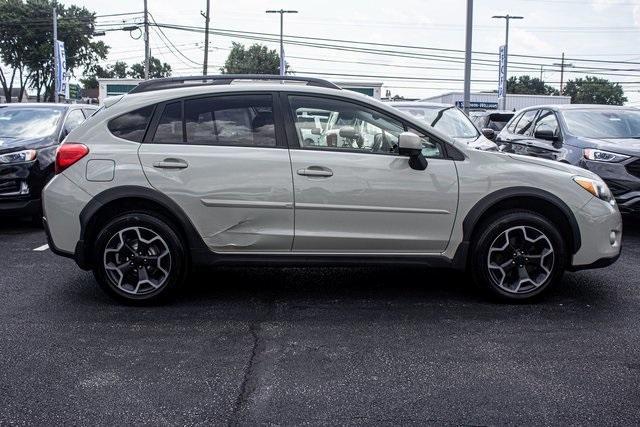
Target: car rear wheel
140	258
518	255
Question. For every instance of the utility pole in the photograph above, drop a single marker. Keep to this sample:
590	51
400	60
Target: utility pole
282	61
507	18
562	64
147	53
206	39
467	57
54	96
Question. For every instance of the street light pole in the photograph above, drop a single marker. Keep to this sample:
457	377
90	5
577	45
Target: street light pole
467	57
282	61
507	18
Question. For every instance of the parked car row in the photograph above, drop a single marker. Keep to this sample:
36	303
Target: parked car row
199	171
195	171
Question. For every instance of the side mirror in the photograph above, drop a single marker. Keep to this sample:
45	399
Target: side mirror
409	145
489	133
316	131
546	134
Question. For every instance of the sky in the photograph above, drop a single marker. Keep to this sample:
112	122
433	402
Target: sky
587	31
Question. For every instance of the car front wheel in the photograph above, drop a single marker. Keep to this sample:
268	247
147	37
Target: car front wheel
139	258
518	255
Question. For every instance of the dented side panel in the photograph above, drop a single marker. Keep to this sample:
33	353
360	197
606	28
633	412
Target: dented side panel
239	198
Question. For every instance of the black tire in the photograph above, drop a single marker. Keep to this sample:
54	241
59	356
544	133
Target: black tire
491	233
148	223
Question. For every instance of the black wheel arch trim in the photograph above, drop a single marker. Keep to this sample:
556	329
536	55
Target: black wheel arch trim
194	240
474	215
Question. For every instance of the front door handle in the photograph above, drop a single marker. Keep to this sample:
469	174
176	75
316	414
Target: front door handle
171	164
316	171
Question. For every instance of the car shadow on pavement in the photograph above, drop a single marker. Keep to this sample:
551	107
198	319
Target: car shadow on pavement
18	225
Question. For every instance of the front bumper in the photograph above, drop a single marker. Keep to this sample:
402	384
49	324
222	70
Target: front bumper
601	234
624	185
20	188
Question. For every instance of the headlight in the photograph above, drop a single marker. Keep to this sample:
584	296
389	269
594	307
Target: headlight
596	187
18	156
603	156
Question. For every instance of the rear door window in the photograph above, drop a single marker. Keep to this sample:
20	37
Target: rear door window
133	125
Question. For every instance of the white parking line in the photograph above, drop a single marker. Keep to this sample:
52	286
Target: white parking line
42	248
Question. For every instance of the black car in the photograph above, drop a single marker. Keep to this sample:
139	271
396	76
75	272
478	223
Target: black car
29	137
602	138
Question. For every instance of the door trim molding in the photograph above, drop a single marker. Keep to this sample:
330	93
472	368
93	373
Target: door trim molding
224	203
362	208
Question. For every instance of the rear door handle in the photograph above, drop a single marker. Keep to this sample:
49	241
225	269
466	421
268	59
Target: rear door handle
171	164
316	171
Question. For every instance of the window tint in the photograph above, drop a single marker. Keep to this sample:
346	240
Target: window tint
343	125
547	120
73	120
230	120
514	122
524	124
169	128
131	125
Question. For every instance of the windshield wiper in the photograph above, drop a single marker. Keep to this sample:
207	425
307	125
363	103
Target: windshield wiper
439	116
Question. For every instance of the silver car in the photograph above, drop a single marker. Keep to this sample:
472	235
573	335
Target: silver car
449	120
198	171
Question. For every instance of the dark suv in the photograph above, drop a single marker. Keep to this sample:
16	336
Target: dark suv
29	137
602	138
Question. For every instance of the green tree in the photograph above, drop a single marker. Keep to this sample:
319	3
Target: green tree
593	90
528	85
257	59
157	69
118	70
76	27
26	46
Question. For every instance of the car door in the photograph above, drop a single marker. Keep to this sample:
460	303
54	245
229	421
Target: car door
355	194
224	160
546	137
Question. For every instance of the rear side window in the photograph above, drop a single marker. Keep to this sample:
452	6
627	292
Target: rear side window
132	125
169	128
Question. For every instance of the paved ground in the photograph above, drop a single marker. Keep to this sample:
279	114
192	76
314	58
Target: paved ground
318	346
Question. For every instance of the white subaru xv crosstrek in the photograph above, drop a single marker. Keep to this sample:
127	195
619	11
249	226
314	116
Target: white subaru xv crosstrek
183	172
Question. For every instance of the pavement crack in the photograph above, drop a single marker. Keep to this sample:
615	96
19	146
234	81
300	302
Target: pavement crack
250	378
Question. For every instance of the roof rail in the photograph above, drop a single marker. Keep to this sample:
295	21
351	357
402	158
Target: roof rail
224	79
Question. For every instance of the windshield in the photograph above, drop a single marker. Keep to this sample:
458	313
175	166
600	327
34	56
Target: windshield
448	120
18	122
603	123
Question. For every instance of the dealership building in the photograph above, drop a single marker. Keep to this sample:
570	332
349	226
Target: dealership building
489	101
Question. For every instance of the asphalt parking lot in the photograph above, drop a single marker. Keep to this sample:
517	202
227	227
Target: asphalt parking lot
317	346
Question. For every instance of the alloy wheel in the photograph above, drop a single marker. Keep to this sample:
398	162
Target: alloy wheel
520	259
137	260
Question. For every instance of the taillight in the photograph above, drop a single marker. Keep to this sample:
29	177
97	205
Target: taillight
68	154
